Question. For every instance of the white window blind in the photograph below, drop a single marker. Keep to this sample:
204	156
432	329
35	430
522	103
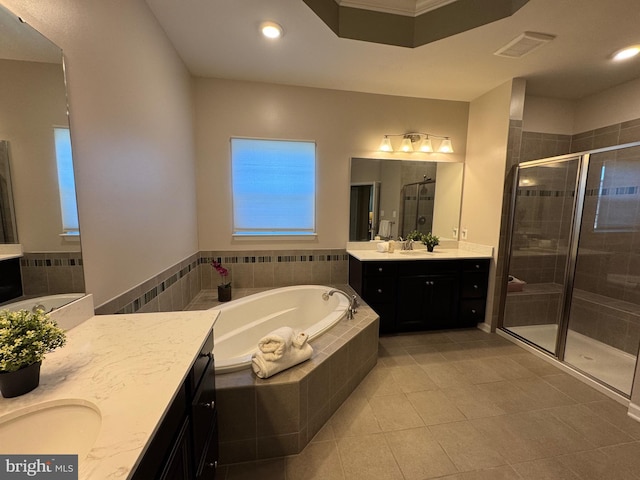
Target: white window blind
66	181
274	187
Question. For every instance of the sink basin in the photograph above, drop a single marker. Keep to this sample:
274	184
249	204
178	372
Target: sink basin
66	426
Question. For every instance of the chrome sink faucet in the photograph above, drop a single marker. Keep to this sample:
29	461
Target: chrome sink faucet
406	244
353	301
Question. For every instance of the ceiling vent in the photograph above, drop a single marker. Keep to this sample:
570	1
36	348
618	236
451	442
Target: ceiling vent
523	44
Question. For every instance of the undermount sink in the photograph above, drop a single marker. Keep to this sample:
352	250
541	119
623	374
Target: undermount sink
68	426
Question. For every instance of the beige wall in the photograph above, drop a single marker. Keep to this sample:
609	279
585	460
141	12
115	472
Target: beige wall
33	101
549	115
484	172
132	132
552	115
343	124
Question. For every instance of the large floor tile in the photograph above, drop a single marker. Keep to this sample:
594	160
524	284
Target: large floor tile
395	412
318	461
418	454
354	417
472	401
545	469
367	457
466	447
435	408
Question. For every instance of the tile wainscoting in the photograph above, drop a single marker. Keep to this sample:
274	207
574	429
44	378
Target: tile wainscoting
177	286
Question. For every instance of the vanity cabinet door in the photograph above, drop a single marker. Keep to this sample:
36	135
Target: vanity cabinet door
426	302
178	465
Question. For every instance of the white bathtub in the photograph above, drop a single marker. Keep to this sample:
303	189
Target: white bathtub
243	322
49	302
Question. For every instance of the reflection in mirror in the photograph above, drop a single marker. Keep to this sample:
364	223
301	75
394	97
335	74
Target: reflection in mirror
34	106
432	206
364	211
8	230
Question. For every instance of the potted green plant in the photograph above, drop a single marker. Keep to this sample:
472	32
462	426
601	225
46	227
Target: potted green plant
25	337
224	288
430	241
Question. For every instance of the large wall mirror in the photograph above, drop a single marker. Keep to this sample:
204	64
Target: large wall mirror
390	198
37	191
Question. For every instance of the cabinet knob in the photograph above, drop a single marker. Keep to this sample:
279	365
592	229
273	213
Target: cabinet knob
473	310
477	266
379	269
212	464
210	405
379	290
476	287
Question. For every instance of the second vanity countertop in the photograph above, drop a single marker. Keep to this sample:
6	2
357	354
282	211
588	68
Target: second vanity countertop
130	367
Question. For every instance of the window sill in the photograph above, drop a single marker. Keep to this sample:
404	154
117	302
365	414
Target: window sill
268	237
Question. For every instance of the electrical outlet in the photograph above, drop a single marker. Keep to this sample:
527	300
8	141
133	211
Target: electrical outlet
464	234
455	233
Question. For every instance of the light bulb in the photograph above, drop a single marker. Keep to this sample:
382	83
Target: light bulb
426	145
445	146
406	146
271	30
385	145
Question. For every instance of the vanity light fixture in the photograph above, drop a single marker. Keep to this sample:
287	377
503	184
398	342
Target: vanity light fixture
271	30
626	53
424	139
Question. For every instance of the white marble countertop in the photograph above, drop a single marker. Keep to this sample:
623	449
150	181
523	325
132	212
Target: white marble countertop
130	367
418	254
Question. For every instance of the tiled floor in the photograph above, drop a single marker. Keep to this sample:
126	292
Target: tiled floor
464	405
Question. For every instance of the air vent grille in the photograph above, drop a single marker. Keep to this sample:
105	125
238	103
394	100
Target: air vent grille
524	44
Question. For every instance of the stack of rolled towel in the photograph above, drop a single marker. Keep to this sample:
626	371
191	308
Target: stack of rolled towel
279	350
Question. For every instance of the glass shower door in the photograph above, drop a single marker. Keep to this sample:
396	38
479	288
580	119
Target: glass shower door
604	320
540	238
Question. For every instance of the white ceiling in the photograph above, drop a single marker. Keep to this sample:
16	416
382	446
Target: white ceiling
220	38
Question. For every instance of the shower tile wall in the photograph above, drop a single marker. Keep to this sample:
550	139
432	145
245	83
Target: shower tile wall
177	286
524	146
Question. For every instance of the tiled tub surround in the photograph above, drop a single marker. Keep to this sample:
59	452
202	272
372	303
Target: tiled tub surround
177	286
130	368
278	416
51	273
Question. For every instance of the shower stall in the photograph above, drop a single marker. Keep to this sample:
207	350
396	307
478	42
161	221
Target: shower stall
574	261
416	207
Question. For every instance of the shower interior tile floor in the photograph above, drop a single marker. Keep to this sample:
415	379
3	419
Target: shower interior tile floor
608	364
463	405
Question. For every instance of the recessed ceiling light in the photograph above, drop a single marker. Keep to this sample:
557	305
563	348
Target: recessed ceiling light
626	53
271	30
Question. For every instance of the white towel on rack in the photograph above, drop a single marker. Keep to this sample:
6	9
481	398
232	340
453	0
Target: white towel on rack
384	229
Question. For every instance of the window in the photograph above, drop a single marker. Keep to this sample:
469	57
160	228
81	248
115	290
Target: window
274	187
66	181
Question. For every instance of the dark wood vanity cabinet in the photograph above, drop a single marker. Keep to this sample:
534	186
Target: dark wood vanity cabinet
185	446
413	295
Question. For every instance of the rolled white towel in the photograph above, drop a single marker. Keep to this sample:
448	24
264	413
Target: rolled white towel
300	339
265	368
275	344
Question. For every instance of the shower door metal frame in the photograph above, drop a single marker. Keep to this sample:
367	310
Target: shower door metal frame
572	254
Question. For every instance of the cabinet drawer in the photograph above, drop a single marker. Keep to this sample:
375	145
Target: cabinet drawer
474	285
201	363
379	269
480	265
379	290
472	312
